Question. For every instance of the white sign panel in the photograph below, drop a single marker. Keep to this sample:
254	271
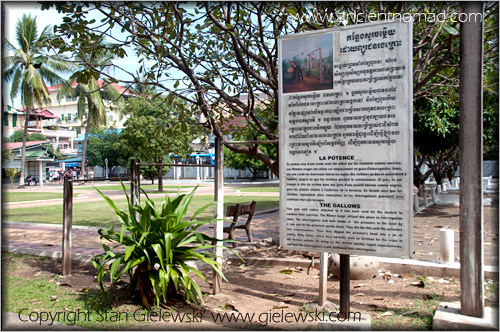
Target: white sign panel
346	140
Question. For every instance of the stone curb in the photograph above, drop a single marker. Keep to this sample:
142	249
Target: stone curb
34	224
406	267
16	322
87	259
448	318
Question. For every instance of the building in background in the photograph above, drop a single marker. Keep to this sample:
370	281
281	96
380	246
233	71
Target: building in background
66	109
43	122
37	162
13	119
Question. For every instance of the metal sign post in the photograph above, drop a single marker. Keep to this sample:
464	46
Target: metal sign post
345	283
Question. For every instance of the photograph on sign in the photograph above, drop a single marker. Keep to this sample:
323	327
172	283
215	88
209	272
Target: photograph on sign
346	155
307	64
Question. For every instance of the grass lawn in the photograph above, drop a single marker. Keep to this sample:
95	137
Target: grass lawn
34	297
100	214
8	197
258	189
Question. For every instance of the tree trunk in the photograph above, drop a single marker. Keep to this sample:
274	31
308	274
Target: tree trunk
23	149
254	174
438	178
145	286
84	150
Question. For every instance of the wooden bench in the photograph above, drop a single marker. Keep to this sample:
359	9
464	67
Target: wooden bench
236	211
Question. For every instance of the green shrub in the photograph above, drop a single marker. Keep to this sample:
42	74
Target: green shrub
157	243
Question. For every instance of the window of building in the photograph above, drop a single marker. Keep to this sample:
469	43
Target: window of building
6	119
78	131
14	120
69	116
62	117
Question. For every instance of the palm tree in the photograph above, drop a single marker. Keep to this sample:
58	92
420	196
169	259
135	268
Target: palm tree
90	95
143	86
30	69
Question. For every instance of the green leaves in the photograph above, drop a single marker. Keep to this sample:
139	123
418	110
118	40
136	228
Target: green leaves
159	243
145	135
451	30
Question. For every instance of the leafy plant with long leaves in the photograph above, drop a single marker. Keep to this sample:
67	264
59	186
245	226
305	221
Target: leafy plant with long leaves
158	243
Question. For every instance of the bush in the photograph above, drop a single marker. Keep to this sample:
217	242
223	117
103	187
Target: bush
158	243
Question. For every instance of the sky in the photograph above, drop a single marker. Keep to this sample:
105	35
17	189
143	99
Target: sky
15	10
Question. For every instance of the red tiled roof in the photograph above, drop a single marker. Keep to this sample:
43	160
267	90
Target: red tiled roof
46	114
16	145
235	123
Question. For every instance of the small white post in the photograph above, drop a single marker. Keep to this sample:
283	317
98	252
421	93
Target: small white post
433	195
438	189
415	203
40	171
197	168
447	246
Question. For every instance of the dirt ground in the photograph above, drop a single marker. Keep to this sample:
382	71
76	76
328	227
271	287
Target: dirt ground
283	297
275	297
308	84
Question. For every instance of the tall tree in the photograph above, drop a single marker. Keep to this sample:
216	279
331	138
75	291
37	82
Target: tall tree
18	135
435	123
90	91
139	137
30	69
102	145
221	51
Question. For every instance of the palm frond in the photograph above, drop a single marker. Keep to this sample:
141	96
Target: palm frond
16	83
26	33
66	90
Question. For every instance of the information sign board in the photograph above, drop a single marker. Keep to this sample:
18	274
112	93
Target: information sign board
346	140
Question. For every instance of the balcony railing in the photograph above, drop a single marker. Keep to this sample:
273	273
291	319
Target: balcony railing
69	151
72	121
54	133
44	123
